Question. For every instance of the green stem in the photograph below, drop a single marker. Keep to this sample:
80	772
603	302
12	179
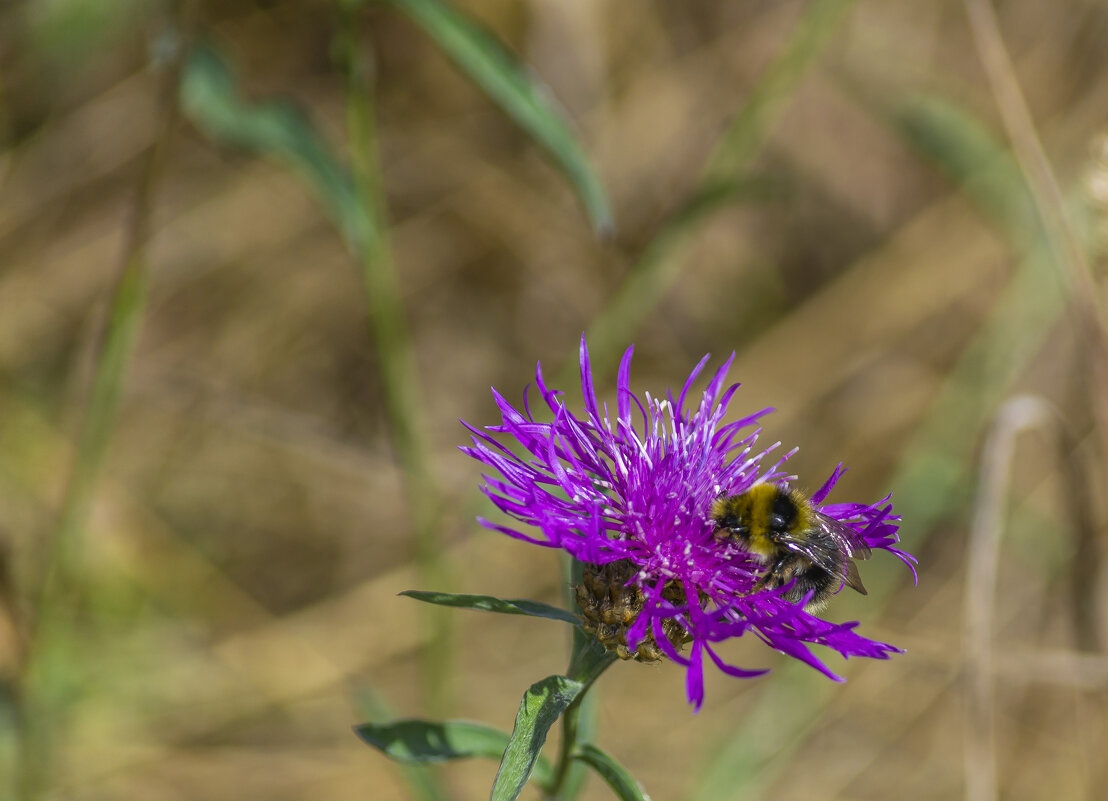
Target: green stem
397	361
584	715
588	662
569	745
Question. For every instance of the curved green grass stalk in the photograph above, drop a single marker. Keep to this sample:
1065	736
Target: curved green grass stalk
48	640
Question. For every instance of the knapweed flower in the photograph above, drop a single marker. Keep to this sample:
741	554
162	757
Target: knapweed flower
631	496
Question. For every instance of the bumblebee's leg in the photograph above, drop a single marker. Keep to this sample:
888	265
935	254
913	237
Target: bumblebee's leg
776	576
766	582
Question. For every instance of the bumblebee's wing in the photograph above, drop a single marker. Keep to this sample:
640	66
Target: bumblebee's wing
852	578
821	550
832	549
850	540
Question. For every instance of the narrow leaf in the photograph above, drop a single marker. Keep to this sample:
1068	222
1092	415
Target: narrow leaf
522	97
487	603
615	774
277	129
542	704
424	741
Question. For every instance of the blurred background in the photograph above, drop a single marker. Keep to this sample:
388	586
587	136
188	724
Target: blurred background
258	258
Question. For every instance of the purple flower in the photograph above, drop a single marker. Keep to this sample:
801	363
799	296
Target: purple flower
637	489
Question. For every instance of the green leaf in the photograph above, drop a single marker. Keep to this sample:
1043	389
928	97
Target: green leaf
487	603
424	741
615	774
211	99
423	781
542	704
509	84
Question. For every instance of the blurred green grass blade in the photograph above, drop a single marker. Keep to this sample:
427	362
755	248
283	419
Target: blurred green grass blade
542	705
747	133
51	680
508	83
656	270
211	99
724	179
622	783
577	775
425	741
962	147
487	603
392	339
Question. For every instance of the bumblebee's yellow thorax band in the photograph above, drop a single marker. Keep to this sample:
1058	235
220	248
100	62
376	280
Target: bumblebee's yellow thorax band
756	508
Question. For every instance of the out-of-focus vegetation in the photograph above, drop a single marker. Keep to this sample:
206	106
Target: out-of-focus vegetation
257	258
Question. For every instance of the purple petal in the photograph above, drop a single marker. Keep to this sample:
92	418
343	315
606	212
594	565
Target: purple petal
680	405
825	490
694	677
623	386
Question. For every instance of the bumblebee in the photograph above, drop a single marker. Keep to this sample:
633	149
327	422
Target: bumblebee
799	544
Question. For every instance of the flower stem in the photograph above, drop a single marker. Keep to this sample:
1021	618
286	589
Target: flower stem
589	660
569	744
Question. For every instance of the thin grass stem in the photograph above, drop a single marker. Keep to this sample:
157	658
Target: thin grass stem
58	584
979	740
400	384
747	133
1019	414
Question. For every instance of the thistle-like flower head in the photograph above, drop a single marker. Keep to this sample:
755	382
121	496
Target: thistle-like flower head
637	488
